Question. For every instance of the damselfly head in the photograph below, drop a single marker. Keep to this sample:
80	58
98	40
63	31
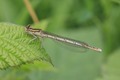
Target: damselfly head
30	30
27	28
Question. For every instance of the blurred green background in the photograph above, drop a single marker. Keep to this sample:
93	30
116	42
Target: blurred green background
96	22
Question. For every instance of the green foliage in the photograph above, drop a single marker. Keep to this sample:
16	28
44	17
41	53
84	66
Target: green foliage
111	27
16	48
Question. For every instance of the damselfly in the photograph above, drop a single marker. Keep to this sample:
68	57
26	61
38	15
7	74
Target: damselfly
43	34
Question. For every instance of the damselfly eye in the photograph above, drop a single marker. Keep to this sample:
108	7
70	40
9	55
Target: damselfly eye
28	26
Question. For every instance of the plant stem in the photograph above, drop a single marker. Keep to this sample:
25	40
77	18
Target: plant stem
31	11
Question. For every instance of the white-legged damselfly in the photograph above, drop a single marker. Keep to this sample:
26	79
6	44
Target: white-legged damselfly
43	34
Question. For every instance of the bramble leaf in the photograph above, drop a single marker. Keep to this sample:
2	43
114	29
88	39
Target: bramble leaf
16	48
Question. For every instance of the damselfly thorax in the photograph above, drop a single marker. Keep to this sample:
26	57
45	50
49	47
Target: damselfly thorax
43	34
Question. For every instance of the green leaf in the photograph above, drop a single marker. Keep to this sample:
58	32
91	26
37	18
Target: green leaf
111	70
113	66
16	48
